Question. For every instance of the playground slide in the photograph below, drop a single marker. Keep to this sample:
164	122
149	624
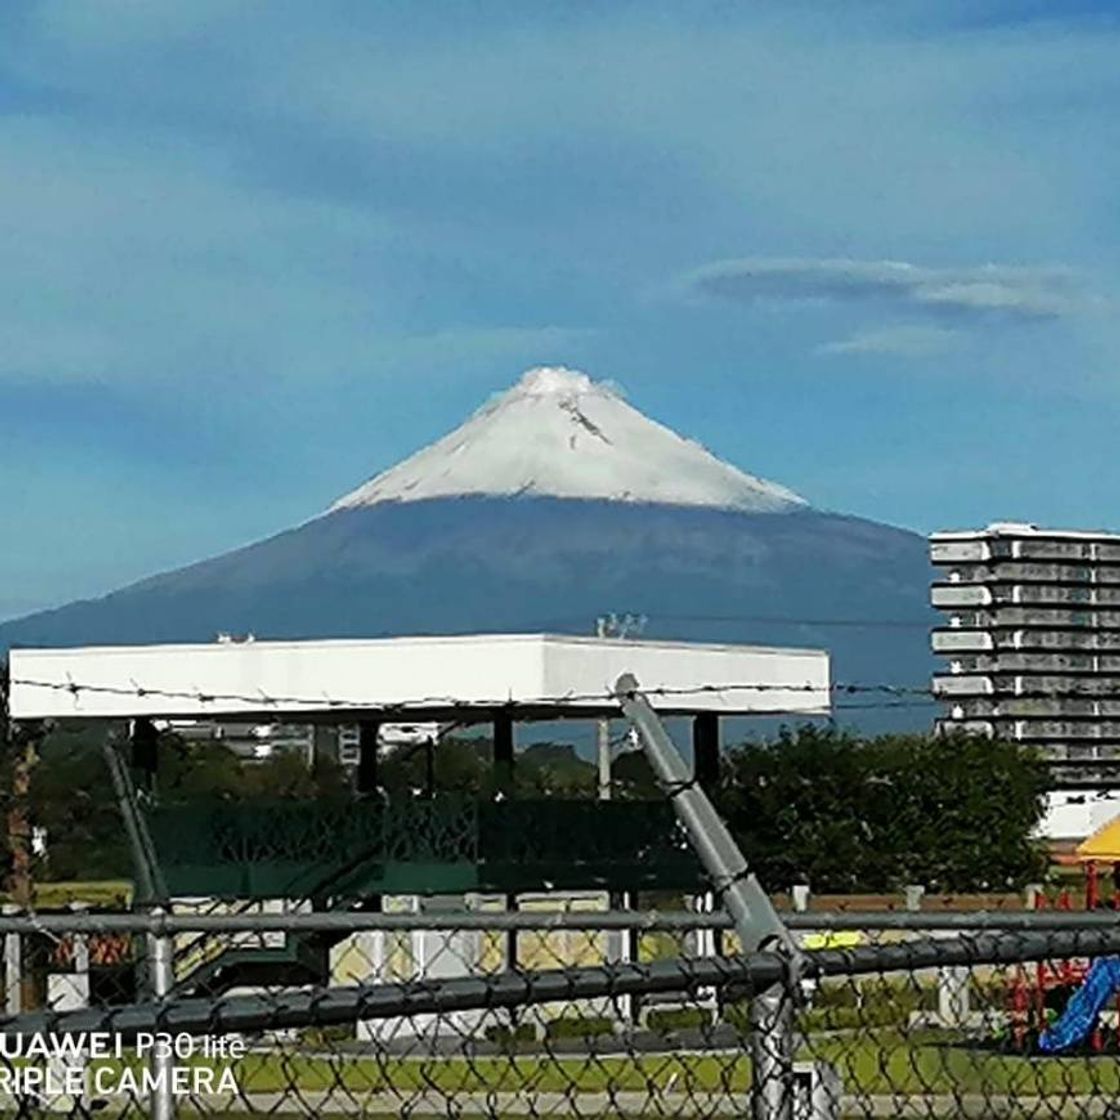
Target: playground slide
1101	983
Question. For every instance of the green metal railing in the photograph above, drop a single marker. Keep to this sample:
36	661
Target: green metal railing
448	844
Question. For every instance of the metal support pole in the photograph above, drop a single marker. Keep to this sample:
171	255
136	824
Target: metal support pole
503	751
367	756
144	858
144	753
603	734
512	963
705	749
429	768
603	757
161	964
771	1041
757	923
737	887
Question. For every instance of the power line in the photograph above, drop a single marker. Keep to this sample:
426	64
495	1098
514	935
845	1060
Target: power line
777	620
767	620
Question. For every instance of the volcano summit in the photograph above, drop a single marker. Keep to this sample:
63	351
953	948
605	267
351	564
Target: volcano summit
558	434
554	503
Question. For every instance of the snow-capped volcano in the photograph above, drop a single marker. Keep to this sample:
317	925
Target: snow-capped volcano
554	504
559	434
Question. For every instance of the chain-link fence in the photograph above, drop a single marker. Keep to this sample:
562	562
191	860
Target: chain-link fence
565	1003
499	1013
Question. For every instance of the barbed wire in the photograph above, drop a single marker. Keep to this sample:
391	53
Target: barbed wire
199	696
263	700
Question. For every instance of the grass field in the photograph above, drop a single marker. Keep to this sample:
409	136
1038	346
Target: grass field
884	1062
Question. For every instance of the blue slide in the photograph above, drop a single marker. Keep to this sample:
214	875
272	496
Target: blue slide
1080	1016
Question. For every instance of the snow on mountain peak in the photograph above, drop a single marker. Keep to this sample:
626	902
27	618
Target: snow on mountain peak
555	381
558	433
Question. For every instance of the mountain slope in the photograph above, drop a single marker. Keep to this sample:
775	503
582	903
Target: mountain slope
457	565
559	434
732	559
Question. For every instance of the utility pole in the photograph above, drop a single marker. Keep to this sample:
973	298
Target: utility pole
612	626
602	624
20	741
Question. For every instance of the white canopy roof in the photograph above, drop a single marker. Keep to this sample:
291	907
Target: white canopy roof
543	676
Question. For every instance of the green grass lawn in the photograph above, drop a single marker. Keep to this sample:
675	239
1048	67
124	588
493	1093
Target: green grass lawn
880	1064
516	1073
872	1064
933	1062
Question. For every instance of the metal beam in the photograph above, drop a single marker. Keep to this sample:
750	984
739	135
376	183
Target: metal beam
755	973
144	858
756	920
349	921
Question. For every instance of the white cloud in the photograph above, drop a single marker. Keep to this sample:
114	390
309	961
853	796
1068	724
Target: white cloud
1010	292
902	341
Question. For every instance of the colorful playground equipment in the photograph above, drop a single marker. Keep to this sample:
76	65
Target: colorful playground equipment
1061	1003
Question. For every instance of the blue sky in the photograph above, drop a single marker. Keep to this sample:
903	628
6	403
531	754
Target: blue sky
256	252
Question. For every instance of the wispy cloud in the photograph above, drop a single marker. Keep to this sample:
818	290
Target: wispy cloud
1009	292
907	340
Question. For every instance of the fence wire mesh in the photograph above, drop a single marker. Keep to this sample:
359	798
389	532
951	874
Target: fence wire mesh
448	1014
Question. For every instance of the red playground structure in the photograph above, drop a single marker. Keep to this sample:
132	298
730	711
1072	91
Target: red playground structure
1039	992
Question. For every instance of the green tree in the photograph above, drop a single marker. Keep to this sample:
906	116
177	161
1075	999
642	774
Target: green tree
821	805
72	798
72	795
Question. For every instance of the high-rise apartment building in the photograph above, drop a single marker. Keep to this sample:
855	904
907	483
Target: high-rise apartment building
1031	640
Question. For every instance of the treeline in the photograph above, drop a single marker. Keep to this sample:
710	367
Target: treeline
816	805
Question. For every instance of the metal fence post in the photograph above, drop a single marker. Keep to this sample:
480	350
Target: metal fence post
771	1042
161	965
